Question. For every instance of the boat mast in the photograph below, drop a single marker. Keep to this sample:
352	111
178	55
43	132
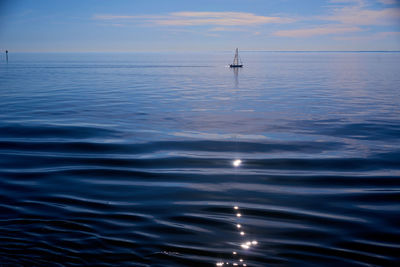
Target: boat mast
236	59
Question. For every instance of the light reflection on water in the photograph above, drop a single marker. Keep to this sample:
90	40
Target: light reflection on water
238	258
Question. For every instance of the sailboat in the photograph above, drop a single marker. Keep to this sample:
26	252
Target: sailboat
236	61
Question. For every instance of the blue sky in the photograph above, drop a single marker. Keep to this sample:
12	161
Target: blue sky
206	25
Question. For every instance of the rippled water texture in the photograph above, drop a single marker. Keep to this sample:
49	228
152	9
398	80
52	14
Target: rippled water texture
177	160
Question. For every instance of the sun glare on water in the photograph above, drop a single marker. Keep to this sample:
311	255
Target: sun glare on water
237	162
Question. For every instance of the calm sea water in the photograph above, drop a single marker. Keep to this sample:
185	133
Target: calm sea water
127	159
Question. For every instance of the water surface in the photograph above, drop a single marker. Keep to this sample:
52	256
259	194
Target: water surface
127	159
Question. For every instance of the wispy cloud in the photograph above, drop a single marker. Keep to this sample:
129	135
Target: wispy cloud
389	34
346	1
323	30
376	36
347	16
112	17
227	29
218	18
342	18
360	15
189	18
388	2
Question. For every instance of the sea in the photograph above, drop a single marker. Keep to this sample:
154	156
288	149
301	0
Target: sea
175	159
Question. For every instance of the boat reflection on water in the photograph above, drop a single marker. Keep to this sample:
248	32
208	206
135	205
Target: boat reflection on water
236	76
245	243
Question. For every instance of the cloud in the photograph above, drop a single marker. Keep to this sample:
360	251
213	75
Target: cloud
189	18
342	17
226	29
389	34
124	17
346	1
358	15
376	36
324	30
388	2
217	18
364	2
111	17
347	16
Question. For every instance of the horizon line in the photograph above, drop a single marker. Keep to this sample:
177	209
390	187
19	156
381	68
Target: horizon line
205	51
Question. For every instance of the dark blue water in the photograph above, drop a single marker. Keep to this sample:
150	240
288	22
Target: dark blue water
127	159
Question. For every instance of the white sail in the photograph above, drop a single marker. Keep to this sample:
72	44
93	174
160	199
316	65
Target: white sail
236	59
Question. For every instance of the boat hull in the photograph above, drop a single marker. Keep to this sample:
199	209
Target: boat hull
235	66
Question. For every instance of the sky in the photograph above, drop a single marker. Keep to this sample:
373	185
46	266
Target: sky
202	25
